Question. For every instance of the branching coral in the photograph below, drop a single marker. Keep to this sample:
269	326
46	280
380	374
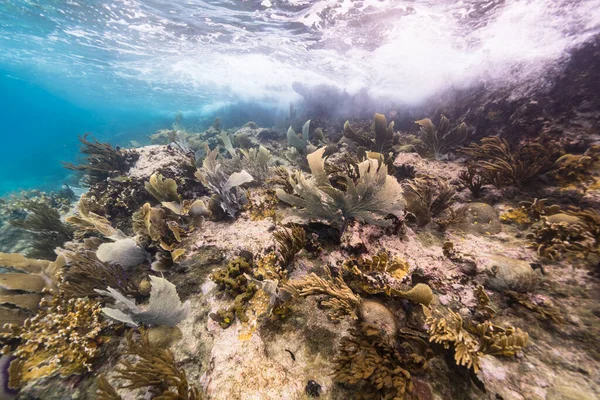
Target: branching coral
561	235
256	161
154	368
371	275
84	274
63	338
438	141
369	199
473	342
576	168
290	242
232	280
380	140
101	160
47	227
505	165
472	179
373	367
339	297
227	193
427	197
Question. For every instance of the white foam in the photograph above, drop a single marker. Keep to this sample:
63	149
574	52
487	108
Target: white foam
193	51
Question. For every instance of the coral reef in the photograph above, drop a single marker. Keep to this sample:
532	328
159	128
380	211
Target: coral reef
472	343
438	141
154	369
505	165
164	306
101	160
377	267
64	338
367	361
49	231
233	281
370	199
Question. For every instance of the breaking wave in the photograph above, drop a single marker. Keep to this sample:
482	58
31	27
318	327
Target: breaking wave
190	54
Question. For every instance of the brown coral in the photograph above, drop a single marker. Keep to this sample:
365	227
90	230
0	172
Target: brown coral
339	297
374	369
63	338
505	165
154	368
470	343
101	160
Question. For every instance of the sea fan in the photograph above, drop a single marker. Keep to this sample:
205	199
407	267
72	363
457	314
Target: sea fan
163	308
369	199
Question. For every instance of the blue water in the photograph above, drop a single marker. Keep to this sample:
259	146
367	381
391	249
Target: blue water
40	129
123	68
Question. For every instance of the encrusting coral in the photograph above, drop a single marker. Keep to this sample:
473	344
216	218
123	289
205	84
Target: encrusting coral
262	207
